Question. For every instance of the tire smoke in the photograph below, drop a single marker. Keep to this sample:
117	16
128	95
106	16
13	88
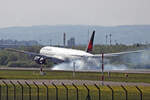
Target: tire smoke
140	60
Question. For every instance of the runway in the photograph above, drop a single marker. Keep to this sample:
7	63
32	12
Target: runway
76	82
48	69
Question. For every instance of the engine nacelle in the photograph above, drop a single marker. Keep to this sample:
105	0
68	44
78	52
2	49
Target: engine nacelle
39	60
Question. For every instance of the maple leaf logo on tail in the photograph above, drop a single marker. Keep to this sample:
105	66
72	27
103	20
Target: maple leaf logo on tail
90	45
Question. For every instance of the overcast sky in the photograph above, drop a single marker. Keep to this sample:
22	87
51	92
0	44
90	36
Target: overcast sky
74	12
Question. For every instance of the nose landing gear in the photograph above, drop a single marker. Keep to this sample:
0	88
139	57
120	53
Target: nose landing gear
41	71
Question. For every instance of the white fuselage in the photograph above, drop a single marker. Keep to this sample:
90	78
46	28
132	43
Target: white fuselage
63	53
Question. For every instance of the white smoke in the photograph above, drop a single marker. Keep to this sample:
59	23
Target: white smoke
79	65
115	67
139	60
89	64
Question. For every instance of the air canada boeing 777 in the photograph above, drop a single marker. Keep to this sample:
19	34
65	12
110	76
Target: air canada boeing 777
59	54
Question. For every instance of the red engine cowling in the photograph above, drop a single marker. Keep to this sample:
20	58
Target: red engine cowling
39	60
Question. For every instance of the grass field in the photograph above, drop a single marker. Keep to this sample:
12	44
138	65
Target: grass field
117	77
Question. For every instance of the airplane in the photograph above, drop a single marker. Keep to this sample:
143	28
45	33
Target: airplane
59	55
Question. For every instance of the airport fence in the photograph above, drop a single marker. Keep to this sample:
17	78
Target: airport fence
35	91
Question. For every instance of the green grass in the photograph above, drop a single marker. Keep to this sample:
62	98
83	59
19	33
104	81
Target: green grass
117	77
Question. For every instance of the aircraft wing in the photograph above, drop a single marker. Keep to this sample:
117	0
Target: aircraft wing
116	54
107	55
54	59
22	51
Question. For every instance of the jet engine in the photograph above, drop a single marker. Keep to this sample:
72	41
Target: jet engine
39	60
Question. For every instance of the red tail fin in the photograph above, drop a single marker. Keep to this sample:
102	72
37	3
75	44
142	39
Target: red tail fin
90	45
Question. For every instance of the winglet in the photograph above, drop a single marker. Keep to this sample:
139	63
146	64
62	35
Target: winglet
90	45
